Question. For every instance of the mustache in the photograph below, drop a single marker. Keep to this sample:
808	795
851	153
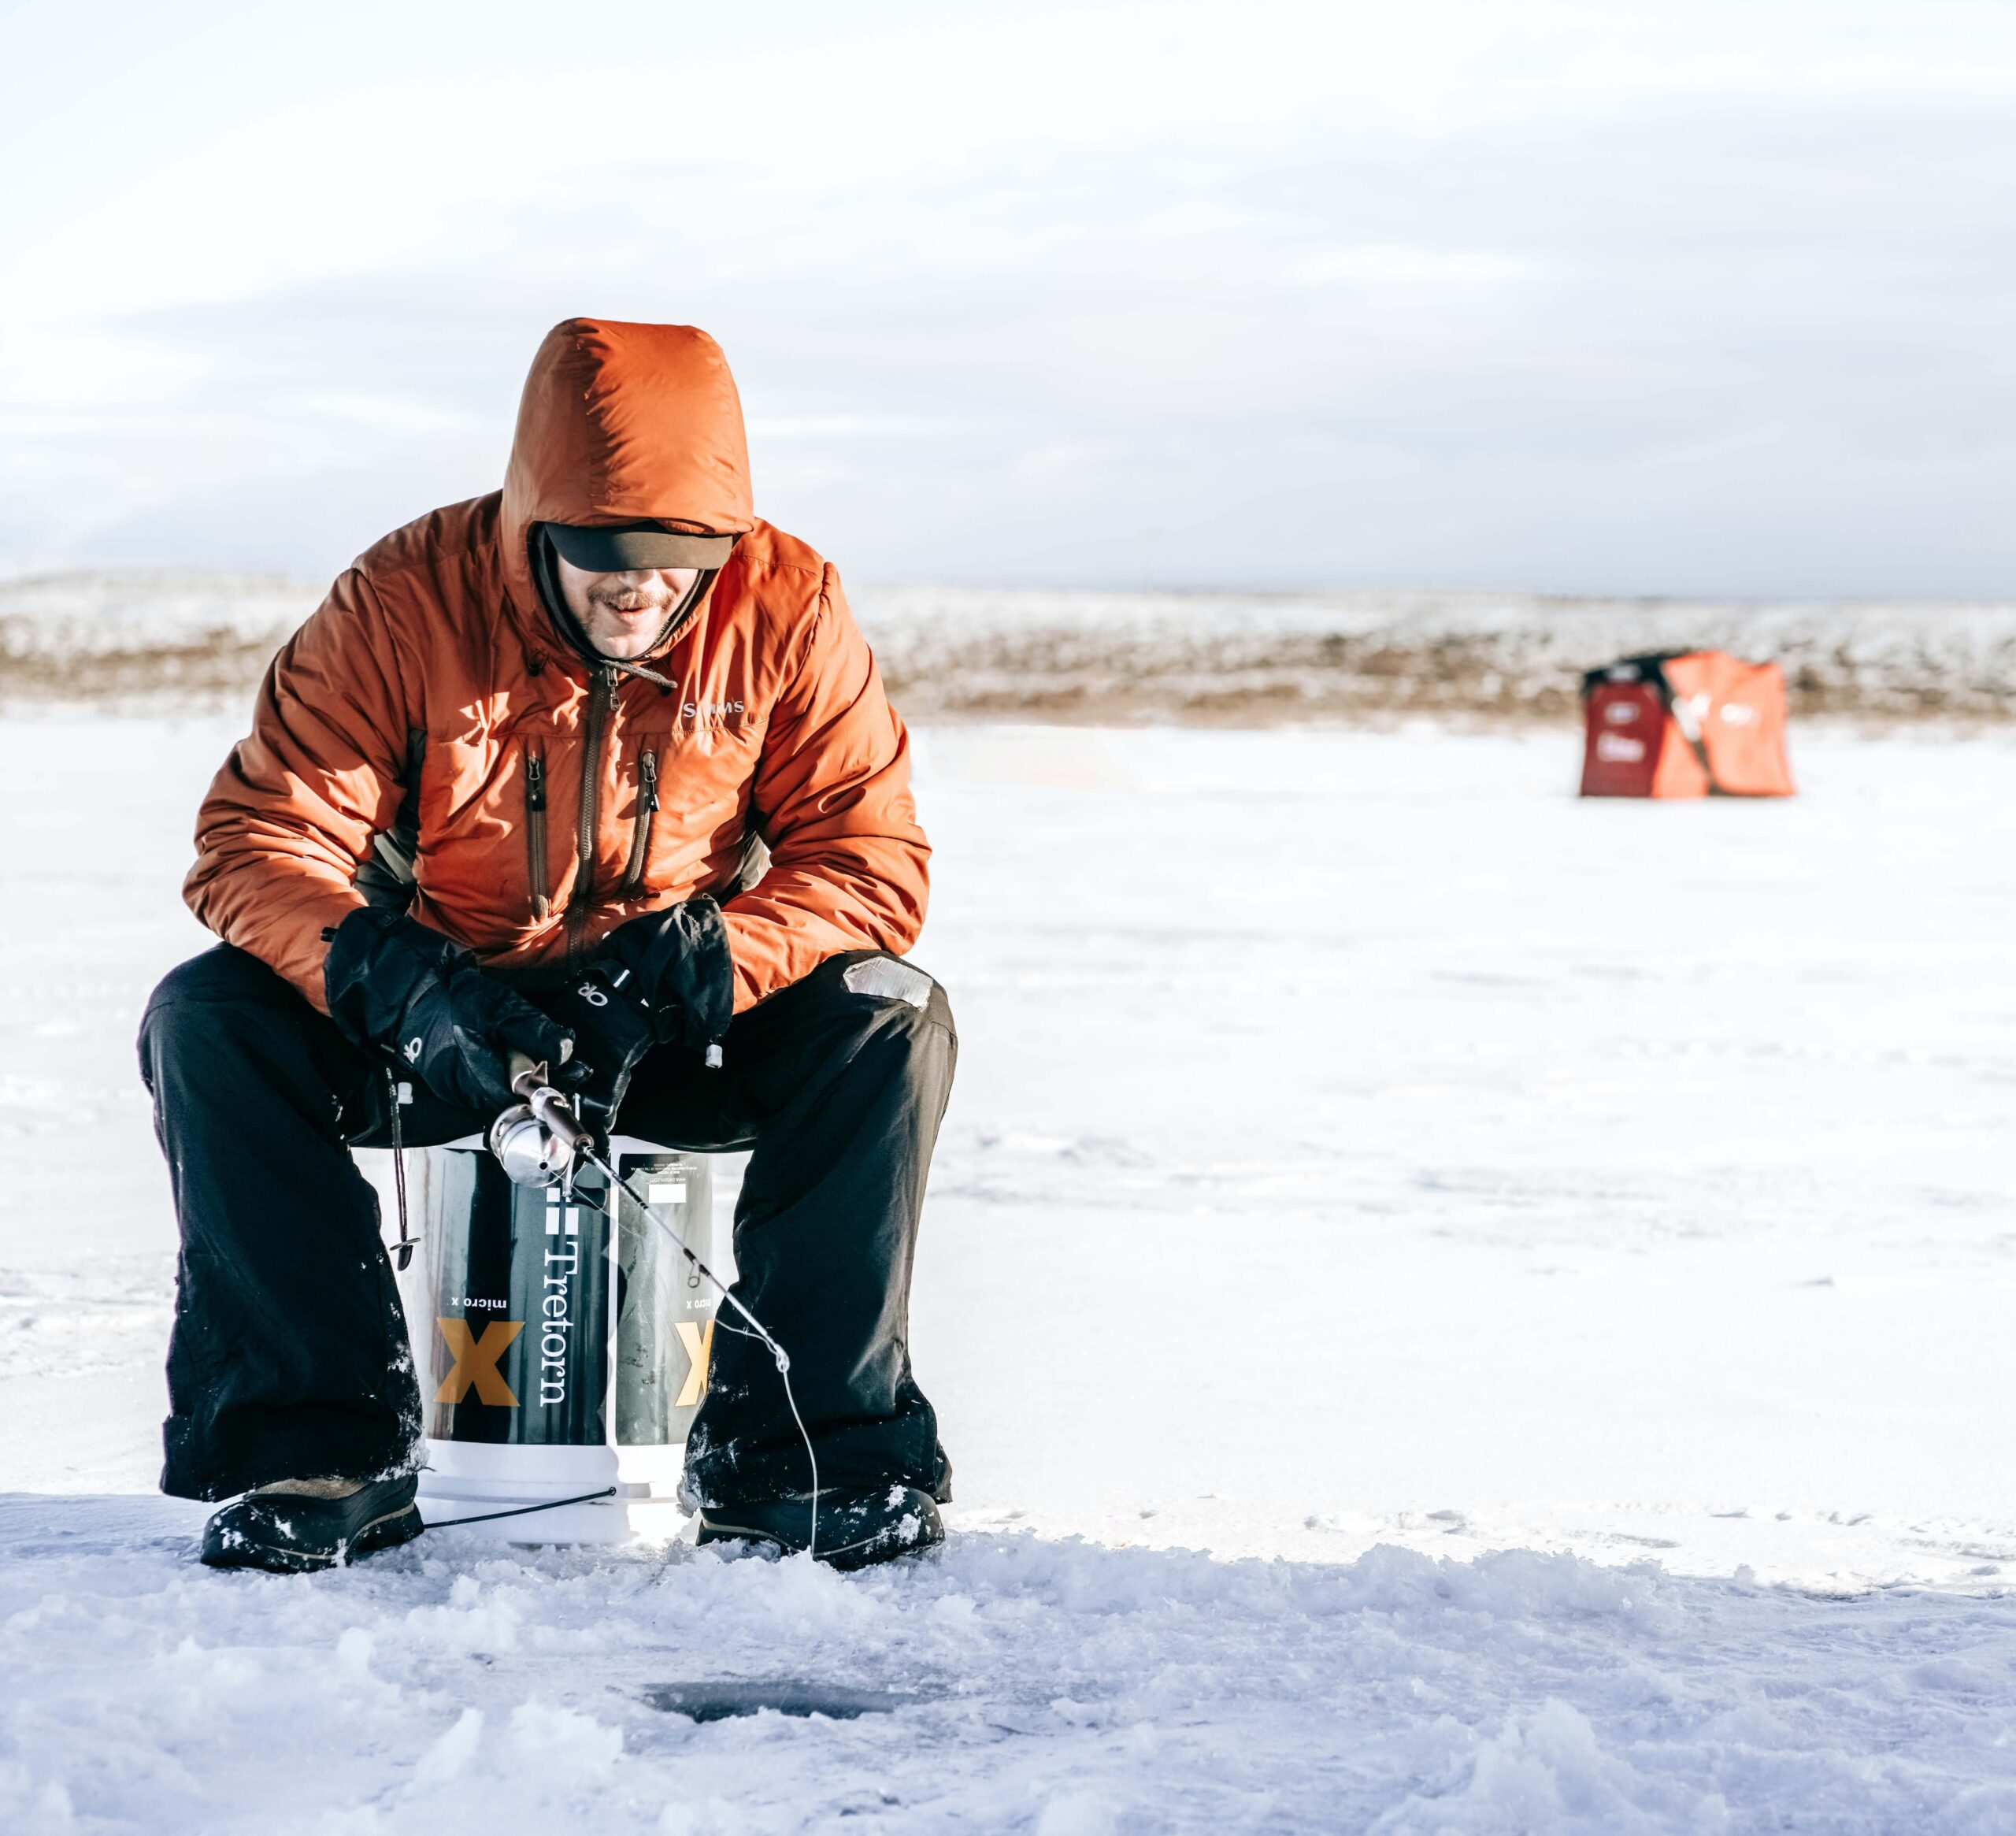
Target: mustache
634	599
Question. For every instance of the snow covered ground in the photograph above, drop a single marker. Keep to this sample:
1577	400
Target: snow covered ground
1454	1308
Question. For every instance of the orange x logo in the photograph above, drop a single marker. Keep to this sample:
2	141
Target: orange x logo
699	1344
475	1361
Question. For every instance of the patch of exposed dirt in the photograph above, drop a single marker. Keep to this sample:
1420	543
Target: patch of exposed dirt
192	640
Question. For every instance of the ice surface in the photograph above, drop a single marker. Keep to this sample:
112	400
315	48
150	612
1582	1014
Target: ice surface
1454	1308
1058	1685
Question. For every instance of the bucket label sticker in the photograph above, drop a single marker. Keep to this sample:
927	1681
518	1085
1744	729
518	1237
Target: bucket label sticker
525	1280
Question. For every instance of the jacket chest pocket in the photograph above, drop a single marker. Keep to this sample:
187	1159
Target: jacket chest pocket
644	813
539	877
628	820
681	808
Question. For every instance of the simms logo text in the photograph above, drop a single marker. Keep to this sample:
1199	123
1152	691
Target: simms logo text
712	713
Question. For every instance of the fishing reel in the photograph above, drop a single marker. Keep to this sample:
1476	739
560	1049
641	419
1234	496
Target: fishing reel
539	1138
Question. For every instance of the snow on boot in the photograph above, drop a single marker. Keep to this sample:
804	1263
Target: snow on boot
855	1529
295	1526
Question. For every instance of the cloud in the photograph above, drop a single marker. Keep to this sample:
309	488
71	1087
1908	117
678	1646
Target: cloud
1711	299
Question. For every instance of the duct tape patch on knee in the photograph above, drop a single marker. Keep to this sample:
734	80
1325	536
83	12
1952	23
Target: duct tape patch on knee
891	980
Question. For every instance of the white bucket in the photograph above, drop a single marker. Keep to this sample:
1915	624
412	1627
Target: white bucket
561	1347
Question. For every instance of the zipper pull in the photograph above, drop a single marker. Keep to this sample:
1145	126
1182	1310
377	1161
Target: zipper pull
648	765
713	1060
534	782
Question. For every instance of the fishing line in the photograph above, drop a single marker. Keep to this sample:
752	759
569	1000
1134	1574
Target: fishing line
758	1331
523	1510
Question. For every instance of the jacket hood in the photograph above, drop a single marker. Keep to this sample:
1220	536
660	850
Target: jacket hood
619	423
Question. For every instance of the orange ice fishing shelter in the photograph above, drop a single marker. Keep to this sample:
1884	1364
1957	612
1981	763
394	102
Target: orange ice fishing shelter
1686	724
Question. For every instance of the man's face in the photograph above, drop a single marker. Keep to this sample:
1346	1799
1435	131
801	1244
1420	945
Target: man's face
624	615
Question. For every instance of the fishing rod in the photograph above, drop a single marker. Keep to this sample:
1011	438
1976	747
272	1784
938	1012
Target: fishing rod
539	1140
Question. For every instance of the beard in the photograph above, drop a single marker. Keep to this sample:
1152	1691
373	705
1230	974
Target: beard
628	620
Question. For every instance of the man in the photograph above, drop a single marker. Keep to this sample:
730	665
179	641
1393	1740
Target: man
546	735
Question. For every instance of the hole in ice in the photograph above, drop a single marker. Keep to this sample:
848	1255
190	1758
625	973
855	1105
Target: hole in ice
717	1701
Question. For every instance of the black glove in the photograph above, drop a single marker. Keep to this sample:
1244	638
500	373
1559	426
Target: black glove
675	965
396	986
612	1030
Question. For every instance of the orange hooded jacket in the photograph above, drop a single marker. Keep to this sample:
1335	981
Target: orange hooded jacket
557	797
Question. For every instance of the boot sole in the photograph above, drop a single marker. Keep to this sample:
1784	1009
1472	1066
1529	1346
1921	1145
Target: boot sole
847	1558
387	1531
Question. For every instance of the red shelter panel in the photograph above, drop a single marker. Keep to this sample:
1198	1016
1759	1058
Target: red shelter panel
1626	724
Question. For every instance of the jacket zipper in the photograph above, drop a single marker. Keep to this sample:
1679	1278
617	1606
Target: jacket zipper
601	692
647	807
536	829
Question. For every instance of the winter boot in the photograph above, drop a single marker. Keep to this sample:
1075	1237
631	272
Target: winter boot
298	1525
855	1529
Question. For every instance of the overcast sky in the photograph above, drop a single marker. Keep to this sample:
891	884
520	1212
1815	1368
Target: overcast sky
1658	296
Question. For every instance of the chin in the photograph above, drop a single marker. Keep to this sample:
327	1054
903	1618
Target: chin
628	641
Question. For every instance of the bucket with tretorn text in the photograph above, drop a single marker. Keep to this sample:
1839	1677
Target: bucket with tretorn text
562	1343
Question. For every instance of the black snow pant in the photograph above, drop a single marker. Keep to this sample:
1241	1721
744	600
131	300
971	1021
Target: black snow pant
288	1358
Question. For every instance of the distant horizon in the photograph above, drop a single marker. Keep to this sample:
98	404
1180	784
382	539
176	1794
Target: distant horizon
316	584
